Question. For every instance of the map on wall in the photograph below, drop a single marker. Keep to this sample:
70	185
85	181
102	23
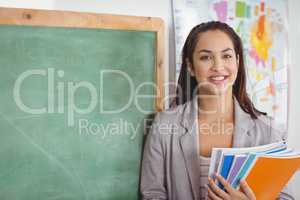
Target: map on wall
262	26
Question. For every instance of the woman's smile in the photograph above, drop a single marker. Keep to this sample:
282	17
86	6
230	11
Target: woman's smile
218	80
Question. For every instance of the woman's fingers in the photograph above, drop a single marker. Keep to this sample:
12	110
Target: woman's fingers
212	195
215	193
247	190
226	185
218	191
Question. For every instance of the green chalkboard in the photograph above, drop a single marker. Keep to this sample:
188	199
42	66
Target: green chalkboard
71	124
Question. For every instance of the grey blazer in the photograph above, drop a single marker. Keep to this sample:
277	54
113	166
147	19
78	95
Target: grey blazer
170	165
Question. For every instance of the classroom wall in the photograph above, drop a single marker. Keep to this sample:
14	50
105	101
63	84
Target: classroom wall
294	106
45	4
159	8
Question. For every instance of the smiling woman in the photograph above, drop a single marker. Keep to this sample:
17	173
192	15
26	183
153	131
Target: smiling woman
214	61
211	90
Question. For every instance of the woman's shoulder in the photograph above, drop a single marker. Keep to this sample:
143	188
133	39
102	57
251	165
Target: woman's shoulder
171	120
172	114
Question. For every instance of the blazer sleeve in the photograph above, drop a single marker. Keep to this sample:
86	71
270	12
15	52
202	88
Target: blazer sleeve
152	184
278	134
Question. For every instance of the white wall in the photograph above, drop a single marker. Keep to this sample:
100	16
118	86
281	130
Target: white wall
162	8
294	106
38	4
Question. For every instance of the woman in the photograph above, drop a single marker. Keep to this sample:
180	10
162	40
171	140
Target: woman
212	110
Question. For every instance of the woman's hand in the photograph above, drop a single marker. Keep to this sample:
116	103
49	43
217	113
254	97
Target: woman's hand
215	193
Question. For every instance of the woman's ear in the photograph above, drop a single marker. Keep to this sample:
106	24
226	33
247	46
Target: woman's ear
190	67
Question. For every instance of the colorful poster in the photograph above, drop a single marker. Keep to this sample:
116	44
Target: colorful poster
262	25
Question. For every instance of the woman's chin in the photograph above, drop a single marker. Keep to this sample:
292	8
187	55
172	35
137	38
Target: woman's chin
216	90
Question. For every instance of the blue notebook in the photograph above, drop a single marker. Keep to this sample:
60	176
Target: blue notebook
226	165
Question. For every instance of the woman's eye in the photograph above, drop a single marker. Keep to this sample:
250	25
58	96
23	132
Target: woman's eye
227	56
205	57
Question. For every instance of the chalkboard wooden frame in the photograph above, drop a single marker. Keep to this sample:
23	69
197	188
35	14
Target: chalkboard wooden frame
49	18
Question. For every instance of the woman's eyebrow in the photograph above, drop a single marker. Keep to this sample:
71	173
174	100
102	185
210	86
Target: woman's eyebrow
204	51
227	49
209	51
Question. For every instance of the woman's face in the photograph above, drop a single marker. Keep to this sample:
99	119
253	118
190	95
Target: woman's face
214	64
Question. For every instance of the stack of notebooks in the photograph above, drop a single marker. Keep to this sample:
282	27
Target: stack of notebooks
266	169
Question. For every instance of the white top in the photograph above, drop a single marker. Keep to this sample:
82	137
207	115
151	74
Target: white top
204	168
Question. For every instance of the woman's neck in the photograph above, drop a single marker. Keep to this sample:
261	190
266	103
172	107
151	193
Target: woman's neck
213	107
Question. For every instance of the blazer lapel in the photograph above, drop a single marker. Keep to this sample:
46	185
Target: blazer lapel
242	127
189	145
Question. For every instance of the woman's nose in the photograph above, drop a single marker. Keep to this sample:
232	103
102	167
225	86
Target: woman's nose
217	64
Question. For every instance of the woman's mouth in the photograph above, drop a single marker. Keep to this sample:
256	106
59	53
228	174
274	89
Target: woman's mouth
219	80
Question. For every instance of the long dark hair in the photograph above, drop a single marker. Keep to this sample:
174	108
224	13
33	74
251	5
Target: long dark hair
187	83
